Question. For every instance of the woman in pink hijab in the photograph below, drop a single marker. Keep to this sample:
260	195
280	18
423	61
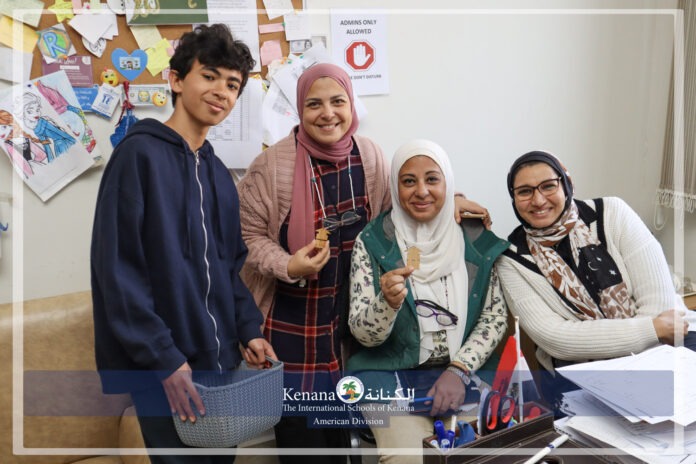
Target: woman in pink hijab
303	202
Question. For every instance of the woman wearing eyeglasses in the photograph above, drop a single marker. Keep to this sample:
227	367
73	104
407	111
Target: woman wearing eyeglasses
303	201
425	302
587	278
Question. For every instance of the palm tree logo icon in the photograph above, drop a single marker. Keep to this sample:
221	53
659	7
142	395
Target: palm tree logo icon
350	389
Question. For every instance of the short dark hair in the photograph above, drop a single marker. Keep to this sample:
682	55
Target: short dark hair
214	46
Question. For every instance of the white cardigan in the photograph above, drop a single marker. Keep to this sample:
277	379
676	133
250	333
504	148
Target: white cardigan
644	269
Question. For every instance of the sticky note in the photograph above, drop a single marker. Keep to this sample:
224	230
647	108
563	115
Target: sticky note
146	36
62	9
26	11
28	35
157	57
269	28
270	50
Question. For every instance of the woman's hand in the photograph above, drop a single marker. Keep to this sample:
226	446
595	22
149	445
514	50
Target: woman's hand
308	260
462	206
393	285
448	392
667	322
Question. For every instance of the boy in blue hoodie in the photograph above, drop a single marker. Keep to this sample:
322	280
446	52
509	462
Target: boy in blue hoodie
167	250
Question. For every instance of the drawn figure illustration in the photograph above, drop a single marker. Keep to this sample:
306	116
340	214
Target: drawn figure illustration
45	129
73	116
23	149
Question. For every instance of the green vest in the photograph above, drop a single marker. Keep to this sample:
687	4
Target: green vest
402	349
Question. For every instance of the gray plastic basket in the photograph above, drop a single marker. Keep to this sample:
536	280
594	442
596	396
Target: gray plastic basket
239	405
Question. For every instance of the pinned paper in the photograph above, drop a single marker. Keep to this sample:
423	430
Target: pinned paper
26	11
63	10
270	28
78	69
147	95
270	50
146	36
130	66
297	26
85	96
54	43
93	26
28	40
57	90
117	6
158	57
53	155
19	61
96	49
107	100
277	8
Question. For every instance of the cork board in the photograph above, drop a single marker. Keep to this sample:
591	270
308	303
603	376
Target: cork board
126	41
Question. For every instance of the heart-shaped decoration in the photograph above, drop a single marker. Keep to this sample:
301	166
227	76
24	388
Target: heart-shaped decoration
130	66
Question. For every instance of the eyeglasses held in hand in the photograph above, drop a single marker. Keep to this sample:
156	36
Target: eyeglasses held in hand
546	188
428	308
347	218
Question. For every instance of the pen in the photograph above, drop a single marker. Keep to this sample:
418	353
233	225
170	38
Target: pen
554	444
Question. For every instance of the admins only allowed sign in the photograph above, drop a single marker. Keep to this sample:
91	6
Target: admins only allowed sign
359	45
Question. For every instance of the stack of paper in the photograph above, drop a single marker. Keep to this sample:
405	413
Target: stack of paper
642	405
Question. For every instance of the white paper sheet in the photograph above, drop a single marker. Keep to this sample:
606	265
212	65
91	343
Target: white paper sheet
277	8
240	16
18	61
238	139
297	26
645	385
279	116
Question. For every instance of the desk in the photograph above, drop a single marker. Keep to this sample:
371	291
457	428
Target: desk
690	300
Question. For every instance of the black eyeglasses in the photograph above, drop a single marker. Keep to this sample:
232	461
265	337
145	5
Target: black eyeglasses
428	308
546	188
347	218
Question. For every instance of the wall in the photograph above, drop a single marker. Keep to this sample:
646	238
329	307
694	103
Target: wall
487	85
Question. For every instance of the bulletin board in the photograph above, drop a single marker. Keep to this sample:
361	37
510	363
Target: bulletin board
126	41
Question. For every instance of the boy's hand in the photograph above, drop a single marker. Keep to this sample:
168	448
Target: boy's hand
256	351
308	260
393	285
179	388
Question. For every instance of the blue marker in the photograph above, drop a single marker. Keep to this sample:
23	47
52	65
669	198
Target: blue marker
440	431
450	438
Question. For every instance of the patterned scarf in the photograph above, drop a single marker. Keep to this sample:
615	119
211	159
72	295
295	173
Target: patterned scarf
589	255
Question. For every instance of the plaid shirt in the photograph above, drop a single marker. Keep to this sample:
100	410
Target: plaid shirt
302	325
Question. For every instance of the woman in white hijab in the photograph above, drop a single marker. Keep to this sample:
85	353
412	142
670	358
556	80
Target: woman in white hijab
426	303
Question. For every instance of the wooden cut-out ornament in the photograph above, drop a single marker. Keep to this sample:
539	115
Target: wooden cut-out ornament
413	257
321	238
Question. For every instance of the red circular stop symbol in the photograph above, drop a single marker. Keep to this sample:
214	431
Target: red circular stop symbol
360	55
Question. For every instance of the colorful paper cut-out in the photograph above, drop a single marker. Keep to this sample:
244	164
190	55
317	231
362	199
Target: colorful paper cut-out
129	65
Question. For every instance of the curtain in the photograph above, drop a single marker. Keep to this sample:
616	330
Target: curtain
670	194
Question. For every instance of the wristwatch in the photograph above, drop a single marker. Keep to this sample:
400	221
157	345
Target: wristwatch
463	376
